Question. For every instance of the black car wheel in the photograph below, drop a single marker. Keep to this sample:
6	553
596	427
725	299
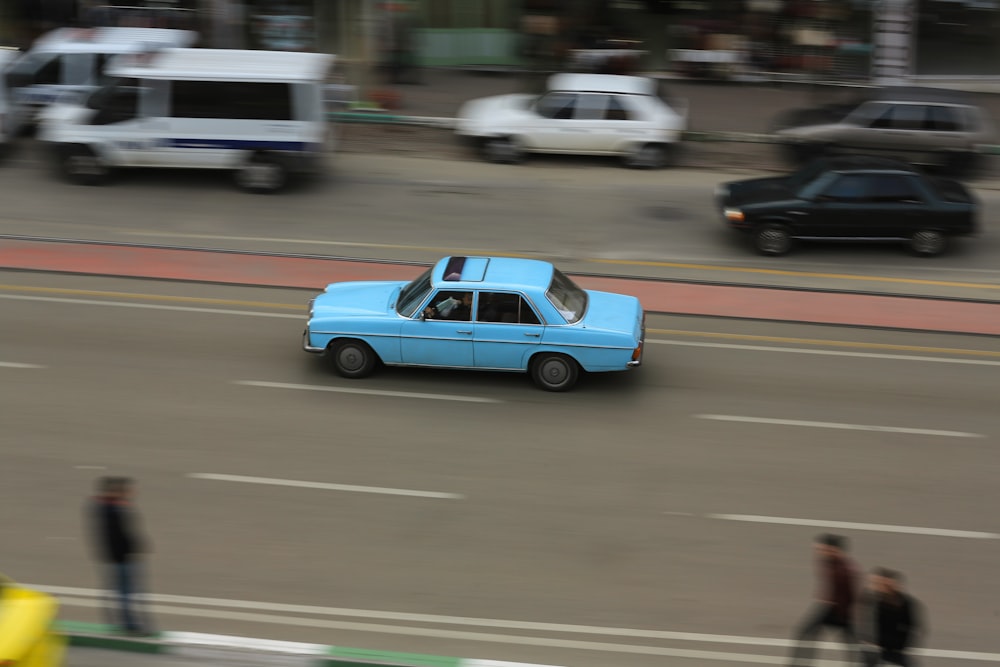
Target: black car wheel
772	240
262	175
81	165
554	372
352	358
647	156
928	242
502	150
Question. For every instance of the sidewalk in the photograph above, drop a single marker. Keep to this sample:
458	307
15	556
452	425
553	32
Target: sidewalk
712	104
657	296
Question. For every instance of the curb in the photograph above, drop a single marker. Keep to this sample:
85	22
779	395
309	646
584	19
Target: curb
380	118
196	645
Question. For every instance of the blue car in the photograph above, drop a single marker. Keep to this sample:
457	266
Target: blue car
487	313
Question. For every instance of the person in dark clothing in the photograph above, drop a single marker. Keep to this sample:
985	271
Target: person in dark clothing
834	607
119	547
889	620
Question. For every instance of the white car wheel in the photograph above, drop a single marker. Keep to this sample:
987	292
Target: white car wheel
262	175
502	150
647	156
81	165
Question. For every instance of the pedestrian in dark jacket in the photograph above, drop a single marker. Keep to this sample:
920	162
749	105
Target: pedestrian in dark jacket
835	598
889	620
119	548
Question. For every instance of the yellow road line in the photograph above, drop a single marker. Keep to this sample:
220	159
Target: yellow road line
824	343
798	274
151	297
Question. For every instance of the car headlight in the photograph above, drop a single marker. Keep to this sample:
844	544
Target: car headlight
734	215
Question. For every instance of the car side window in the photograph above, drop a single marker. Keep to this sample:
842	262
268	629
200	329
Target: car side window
51	72
450	305
556	105
590	106
847	188
872	114
616	109
894	189
907	117
943	119
505	307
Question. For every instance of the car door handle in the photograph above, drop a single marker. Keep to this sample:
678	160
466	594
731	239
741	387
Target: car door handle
464	331
533	335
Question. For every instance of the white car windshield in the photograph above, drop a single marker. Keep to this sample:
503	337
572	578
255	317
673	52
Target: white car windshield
569	300
413	294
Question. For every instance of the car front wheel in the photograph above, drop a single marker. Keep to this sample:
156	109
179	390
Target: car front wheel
928	242
80	164
502	150
352	358
554	372
772	240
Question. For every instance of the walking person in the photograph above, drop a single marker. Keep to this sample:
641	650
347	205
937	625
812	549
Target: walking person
889	620
835	599
119	548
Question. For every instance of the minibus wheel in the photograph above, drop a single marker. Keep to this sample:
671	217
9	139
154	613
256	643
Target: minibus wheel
262	174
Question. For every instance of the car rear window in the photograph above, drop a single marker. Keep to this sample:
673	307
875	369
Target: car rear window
569	300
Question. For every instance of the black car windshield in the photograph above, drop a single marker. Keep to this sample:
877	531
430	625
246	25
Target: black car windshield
413	294
807	174
570	300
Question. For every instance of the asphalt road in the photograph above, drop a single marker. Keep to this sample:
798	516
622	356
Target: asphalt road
680	498
589	215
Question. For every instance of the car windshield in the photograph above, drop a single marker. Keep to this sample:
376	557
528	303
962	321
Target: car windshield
807	174
570	300
413	294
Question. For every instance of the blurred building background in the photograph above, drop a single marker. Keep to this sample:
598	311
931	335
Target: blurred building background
836	39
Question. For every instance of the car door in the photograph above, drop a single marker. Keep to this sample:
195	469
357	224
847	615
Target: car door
440	335
551	127
507	330
119	127
897	205
839	208
898	130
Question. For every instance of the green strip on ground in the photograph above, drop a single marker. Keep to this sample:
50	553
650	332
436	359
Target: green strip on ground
339	656
99	635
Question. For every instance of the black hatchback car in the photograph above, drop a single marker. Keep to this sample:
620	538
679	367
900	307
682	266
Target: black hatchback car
850	199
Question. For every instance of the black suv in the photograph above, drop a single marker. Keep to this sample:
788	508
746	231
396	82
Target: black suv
849	199
926	126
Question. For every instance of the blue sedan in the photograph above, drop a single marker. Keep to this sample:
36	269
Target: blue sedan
487	313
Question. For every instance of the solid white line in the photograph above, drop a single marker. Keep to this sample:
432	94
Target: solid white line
150	306
849	525
829	353
515	639
367	392
323	485
14	364
836	425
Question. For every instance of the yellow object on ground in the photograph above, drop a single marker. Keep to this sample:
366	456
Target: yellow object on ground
27	638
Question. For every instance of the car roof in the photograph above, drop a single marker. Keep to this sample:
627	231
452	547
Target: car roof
223	65
111	39
460	272
603	83
920	94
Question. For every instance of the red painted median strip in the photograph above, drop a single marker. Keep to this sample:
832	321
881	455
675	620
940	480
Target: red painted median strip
657	296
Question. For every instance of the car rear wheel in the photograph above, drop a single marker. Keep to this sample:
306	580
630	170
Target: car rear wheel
262	175
554	372
928	242
647	156
352	358
79	164
502	150
772	240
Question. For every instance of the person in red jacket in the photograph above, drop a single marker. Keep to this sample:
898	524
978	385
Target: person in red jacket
835	599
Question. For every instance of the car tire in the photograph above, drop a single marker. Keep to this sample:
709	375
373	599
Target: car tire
352	358
262	174
502	150
772	240
928	242
81	165
554	372
648	156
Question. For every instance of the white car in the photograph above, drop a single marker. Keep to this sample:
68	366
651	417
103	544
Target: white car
587	114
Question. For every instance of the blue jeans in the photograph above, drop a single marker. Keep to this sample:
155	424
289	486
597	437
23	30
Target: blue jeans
123	584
